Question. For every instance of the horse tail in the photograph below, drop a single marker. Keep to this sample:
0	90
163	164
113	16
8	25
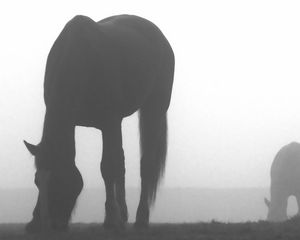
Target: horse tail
154	128
153	146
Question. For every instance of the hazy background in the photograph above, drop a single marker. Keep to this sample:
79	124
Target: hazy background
236	92
172	205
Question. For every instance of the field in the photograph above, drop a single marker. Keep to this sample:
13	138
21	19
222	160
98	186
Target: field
208	231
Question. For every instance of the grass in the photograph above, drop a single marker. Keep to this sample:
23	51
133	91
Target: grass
200	231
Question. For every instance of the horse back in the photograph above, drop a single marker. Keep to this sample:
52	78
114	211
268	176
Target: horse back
110	64
285	169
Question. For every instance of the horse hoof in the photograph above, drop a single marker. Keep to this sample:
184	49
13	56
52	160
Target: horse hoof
115	227
124	216
141	225
32	227
61	229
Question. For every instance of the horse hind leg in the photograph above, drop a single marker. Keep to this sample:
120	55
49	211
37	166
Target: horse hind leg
113	171
120	195
153	138
298	203
112	211
153	128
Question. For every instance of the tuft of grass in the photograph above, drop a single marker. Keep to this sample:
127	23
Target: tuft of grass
262	230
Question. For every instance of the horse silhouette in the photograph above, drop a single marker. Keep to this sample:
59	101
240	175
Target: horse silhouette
98	73
285	181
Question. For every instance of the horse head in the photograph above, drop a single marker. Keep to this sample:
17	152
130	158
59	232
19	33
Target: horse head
58	186
276	210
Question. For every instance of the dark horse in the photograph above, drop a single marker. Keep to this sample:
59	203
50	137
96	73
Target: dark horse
97	73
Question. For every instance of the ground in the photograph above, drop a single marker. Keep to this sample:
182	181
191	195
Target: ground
200	231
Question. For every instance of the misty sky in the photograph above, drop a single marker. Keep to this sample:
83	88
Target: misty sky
236	90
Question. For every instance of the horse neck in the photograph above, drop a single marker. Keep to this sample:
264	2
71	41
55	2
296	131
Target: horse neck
58	138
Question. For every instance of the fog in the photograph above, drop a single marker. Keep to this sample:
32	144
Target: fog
235	98
173	205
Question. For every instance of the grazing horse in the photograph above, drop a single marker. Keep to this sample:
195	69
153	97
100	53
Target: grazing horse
285	181
98	73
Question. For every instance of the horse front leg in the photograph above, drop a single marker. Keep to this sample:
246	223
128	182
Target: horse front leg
298	203
34	225
120	194
113	171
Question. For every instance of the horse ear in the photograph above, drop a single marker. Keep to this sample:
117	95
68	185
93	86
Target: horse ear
31	148
267	202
